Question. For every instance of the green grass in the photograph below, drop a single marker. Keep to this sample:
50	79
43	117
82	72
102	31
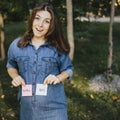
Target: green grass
90	59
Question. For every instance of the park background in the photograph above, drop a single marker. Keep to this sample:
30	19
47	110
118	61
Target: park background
91	34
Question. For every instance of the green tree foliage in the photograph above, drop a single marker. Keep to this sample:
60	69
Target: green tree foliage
100	7
4	6
97	7
18	10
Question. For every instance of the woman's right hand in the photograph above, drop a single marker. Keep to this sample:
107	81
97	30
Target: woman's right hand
17	81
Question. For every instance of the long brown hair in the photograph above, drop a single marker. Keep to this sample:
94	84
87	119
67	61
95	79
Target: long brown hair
54	35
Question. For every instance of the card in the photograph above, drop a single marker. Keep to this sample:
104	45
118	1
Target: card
27	90
41	89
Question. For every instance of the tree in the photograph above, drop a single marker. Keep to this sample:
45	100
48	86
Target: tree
70	27
3	11
2	49
110	55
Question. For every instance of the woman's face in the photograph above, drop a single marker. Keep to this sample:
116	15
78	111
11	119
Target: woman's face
41	24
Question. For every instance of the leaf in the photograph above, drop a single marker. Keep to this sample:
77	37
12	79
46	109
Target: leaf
2	96
114	98
91	96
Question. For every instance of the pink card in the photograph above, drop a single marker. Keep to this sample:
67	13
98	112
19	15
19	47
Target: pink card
27	90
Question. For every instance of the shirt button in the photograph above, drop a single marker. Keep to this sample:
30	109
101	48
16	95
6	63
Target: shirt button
33	83
34	72
34	62
33	94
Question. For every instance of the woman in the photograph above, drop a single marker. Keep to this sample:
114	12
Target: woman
38	64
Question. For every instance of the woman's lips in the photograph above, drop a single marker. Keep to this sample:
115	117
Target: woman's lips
39	30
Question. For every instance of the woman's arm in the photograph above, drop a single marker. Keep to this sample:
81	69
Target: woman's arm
17	80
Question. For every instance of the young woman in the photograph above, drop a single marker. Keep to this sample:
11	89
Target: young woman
38	64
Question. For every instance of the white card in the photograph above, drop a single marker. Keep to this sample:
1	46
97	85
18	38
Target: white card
41	89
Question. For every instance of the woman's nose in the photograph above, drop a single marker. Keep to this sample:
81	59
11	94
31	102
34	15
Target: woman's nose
41	23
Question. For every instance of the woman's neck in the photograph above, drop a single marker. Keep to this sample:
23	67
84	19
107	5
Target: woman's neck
37	42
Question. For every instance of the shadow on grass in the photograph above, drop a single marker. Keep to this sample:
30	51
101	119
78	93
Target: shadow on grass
92	106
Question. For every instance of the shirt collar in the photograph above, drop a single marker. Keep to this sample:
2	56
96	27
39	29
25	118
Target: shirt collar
44	44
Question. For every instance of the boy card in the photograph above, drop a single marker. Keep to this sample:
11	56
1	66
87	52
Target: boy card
41	89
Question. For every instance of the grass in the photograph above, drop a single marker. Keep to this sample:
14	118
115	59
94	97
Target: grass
90	59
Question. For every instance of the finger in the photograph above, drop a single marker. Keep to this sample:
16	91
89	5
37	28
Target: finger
18	81
14	84
22	82
45	81
51	81
55	82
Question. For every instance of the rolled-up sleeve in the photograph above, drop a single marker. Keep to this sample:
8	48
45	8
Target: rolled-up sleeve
66	65
11	63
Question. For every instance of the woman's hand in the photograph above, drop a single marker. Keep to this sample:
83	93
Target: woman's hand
17	81
51	79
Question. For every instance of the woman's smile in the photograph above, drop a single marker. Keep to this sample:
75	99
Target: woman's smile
39	30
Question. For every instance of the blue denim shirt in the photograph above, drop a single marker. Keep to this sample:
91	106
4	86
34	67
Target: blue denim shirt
35	65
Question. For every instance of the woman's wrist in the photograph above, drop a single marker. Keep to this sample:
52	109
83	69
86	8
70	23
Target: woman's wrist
58	79
62	77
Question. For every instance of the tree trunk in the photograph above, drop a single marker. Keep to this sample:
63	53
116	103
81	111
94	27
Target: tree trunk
110	55
70	27
2	38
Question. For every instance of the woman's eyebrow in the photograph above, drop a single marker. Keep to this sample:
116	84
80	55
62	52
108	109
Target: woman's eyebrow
40	16
37	15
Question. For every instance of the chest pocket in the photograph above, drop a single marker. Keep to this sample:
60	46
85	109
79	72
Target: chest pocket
49	65
23	63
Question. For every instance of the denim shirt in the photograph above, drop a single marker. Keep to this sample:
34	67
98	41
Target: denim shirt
34	65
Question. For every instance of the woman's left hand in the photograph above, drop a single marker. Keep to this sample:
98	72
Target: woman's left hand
51	79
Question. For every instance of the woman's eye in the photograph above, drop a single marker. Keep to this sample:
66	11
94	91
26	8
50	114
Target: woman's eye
37	18
47	21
